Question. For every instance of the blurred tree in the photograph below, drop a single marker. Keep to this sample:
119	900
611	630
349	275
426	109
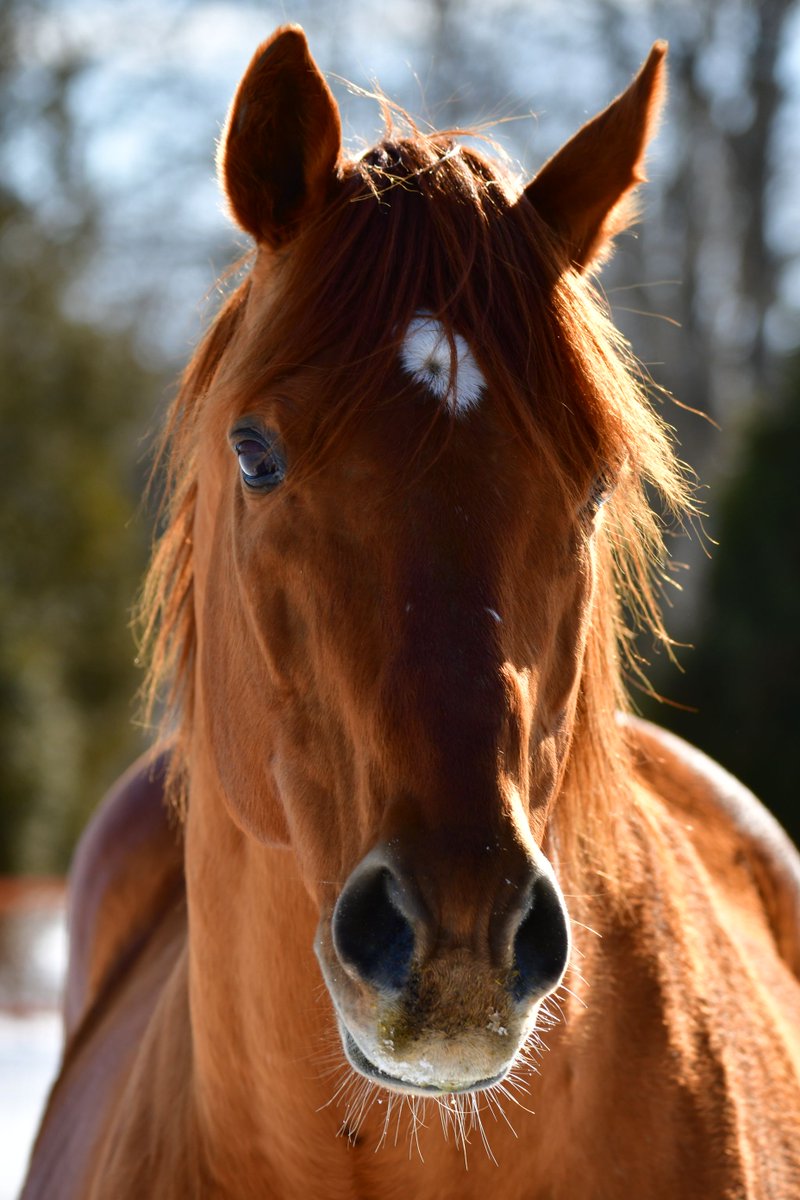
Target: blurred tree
706	257
744	675
726	169
72	399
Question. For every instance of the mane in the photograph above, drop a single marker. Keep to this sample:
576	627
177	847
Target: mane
426	208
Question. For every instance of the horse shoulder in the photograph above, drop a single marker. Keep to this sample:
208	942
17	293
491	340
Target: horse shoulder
127	867
731	827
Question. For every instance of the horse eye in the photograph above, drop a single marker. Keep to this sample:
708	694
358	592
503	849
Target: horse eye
602	489
261	462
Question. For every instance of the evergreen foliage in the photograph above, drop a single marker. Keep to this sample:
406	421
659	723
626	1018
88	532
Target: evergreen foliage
74	401
744	676
72	558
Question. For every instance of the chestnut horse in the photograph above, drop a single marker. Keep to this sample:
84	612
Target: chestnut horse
410	475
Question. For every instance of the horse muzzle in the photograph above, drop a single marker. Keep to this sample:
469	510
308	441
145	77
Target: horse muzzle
422	1009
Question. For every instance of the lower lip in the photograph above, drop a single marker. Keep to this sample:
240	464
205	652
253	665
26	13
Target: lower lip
362	1064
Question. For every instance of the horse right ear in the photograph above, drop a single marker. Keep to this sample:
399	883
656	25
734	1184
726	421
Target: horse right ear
282	140
585	191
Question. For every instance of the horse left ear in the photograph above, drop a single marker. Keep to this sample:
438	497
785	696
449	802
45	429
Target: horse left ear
584	192
282	140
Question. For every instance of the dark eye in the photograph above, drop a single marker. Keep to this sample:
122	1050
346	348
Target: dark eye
261	460
601	491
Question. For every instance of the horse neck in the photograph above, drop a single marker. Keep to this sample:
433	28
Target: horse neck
258	1016
264	1039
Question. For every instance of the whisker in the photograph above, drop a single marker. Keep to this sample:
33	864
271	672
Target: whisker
588	928
513	1080
497	1109
459	1109
479	1121
503	1090
575	996
371	1097
347	1082
444	1117
416	1103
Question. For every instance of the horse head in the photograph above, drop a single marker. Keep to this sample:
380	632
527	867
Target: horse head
409	427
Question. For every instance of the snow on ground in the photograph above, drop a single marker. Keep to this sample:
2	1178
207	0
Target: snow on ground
29	1052
32	963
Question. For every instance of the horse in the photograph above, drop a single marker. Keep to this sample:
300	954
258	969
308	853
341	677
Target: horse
406	901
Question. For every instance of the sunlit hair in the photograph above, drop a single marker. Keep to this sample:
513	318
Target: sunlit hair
424	223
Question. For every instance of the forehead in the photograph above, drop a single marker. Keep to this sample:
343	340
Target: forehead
424	270
442	363
418	235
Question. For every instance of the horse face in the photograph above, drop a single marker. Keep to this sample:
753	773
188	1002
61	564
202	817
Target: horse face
392	639
412	621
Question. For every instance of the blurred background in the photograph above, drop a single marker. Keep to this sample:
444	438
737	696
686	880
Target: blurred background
112	235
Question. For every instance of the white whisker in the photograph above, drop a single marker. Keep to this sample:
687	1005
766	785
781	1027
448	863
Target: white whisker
346	1083
503	1090
563	988
415	1103
496	1107
588	928
462	1130
484	1139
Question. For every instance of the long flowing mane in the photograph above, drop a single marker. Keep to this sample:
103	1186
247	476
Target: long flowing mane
423	222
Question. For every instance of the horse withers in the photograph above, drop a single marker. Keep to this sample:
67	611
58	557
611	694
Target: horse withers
410	470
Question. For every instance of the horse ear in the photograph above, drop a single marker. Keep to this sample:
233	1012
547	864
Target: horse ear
584	192
282	140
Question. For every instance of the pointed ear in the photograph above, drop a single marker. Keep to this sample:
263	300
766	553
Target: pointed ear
584	192
279	152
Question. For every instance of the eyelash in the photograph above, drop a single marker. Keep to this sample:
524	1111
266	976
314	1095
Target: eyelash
601	491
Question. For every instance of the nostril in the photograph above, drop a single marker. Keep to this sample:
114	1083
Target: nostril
541	943
370	933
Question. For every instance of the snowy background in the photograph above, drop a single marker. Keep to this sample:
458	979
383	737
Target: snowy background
32	962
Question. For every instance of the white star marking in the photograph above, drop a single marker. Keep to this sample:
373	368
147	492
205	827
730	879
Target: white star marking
425	354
